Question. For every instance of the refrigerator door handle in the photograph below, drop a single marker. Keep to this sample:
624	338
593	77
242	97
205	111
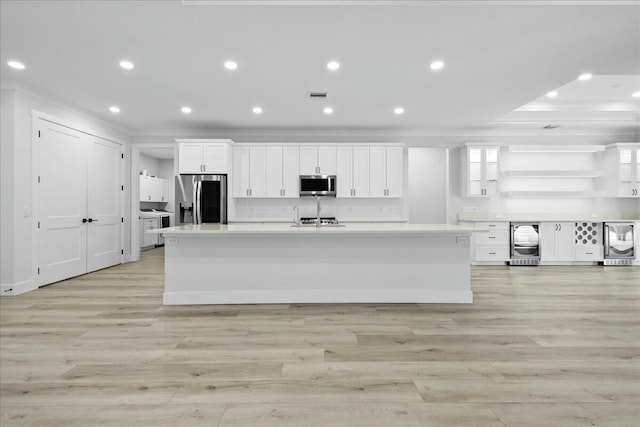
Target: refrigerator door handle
606	240
196	198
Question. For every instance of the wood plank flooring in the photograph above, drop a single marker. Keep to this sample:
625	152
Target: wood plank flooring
546	346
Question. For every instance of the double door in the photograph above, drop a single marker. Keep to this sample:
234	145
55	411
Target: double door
317	160
352	172
557	241
481	178
386	171
80	202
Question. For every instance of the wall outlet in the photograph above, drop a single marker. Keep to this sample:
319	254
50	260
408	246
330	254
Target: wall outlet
470	209
172	240
462	240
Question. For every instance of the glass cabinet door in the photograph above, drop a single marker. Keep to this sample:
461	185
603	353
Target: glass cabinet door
475	172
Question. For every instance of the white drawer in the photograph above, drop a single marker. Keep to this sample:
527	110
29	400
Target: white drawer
490	253
497	237
588	253
492	225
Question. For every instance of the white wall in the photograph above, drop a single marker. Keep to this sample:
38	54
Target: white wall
428	185
7	171
150	164
17	179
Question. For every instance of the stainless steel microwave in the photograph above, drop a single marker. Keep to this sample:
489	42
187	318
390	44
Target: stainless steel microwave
318	185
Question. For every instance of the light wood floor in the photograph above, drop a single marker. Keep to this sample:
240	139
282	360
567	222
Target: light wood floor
553	346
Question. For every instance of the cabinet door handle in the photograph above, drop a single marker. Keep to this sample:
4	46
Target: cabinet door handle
492	253
247	191
492	237
354	191
589	253
559	227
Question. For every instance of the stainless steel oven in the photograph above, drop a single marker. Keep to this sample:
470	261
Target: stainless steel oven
619	247
525	243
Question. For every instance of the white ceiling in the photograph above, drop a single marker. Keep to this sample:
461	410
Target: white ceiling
498	58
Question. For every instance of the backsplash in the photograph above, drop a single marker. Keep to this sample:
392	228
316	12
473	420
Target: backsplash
344	210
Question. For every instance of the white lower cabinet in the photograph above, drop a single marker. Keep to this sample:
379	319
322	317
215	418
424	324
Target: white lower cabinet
588	241
491	245
148	239
556	241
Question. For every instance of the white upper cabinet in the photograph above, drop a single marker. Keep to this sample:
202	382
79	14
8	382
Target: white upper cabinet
250	174
290	172
318	160
153	189
274	172
386	171
622	163
282	172
203	157
352	171
481	171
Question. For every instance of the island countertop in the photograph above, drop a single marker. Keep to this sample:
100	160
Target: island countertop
289	228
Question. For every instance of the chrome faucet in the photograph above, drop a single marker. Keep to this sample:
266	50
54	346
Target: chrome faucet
297	218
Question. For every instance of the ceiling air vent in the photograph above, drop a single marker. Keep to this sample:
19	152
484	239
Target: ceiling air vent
318	95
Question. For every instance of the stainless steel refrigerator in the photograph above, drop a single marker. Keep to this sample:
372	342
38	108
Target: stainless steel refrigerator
201	199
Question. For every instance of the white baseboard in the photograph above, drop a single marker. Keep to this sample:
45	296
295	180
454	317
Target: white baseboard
318	296
17	288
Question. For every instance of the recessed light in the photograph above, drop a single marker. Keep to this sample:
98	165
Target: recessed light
552	94
333	65
328	110
257	110
584	77
127	65
437	65
186	110
114	109
636	94
230	65
398	111
16	64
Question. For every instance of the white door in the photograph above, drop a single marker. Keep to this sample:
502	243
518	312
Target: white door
273	172
104	209
241	171
490	171
377	172
63	202
291	172
327	160
215	158
565	242
309	160
190	158
361	171
257	171
145	188
344	172
395	171
548	241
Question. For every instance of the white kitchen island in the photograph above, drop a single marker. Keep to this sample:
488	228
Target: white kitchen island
279	263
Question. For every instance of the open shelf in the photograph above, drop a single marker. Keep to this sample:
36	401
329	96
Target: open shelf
553	148
554	173
552	194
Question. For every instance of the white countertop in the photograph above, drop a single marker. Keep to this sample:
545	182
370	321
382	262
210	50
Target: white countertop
286	228
546	217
